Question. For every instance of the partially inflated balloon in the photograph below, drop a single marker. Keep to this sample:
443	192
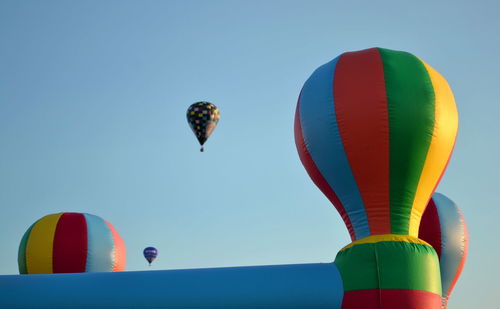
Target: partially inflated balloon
202	118
443	226
150	254
71	243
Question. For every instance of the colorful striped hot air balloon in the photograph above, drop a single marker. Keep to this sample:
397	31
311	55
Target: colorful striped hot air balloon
443	226
375	130
71	243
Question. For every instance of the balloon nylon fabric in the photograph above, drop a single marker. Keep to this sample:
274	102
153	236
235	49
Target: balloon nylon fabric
40	245
150	254
202	118
390	271
320	143
306	286
375	130
100	245
70	243
392	299
21	255
119	253
443	226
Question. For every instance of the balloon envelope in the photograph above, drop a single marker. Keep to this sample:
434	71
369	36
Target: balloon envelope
150	254
202	118
71	243
375	129
443	226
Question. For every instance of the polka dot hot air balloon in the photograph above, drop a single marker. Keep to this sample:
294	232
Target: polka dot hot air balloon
71	243
202	117
375	129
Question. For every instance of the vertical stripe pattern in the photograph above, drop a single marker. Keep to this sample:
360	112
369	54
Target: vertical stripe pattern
410	100
101	245
315	174
375	130
21	255
119	258
40	245
323	142
441	147
363	124
71	243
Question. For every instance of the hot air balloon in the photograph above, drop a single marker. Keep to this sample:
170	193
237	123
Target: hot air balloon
150	254
202	118
70	242
374	130
443	226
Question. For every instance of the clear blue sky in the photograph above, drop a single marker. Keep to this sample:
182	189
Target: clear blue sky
93	97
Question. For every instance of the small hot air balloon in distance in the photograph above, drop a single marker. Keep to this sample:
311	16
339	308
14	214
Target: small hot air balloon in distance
202	118
150	254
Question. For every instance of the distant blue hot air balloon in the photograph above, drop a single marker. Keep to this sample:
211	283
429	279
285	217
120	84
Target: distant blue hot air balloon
150	253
